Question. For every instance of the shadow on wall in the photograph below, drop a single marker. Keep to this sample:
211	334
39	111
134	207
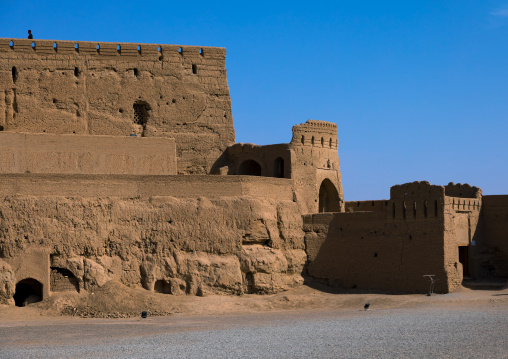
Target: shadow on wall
249	168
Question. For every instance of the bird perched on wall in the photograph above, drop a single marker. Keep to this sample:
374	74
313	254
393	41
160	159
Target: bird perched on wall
366	306
30	36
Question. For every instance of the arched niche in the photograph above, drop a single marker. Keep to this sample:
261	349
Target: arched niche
63	280
249	168
329	200
28	291
278	168
162	286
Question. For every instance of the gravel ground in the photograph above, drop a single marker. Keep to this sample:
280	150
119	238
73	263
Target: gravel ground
389	333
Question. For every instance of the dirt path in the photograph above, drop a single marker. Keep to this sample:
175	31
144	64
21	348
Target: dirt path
301	323
115	300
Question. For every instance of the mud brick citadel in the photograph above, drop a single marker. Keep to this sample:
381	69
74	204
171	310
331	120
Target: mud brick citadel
119	162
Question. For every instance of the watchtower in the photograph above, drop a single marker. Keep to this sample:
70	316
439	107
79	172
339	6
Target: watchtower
315	167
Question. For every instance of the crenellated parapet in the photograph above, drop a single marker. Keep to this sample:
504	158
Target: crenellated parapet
416	200
105	49
462	190
315	134
421	200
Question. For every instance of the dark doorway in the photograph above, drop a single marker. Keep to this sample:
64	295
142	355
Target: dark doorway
464	260
249	168
329	200
278	168
27	291
162	286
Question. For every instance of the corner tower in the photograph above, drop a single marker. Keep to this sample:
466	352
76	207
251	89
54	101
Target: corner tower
315	167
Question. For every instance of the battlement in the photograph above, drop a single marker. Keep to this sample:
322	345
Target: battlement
462	190
316	134
322	124
406	209
79	48
416	190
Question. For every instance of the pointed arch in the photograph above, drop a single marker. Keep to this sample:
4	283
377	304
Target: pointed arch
329	200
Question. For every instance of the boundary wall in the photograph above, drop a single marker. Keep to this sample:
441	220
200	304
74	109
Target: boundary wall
370	251
366	206
144	186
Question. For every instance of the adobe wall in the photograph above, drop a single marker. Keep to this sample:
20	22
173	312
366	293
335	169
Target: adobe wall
493	252
67	87
369	251
34	264
462	190
273	160
417	232
462	229
366	206
85	154
194	245
193	186
315	145
462	211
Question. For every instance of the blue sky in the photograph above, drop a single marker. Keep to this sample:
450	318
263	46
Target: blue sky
418	89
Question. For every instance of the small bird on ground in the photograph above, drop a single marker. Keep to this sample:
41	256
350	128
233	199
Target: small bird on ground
366	306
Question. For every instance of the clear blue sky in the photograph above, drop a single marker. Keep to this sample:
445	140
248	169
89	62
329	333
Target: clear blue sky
418	89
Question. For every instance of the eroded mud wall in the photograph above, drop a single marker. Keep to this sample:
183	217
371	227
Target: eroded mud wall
120	89
366	250
232	245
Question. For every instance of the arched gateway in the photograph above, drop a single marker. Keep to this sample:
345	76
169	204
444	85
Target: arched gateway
329	200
